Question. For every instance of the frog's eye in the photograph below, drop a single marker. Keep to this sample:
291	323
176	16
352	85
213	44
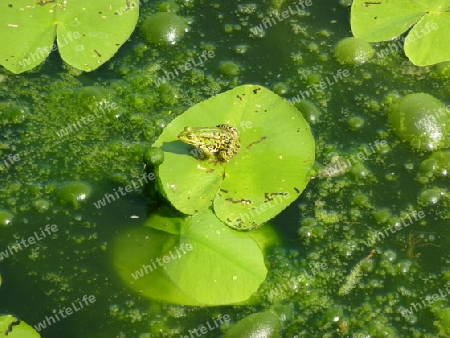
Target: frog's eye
189	136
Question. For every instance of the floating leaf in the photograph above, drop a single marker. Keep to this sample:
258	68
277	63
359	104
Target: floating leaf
12	327
429	46
427	42
206	263
88	32
269	172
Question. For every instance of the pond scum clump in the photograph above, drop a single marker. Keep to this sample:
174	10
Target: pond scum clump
354	276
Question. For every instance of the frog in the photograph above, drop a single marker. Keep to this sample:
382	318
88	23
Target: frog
221	140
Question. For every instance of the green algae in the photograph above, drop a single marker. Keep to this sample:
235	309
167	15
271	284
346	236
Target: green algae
5	218
74	193
443	321
163	28
264	325
229	68
436	166
353	51
421	120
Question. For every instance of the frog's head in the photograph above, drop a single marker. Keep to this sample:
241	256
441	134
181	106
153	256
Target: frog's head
189	136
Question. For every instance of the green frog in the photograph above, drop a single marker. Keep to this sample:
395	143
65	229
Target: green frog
222	139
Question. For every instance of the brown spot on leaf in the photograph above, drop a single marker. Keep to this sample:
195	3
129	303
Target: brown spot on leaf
368	3
269	197
241	201
253	143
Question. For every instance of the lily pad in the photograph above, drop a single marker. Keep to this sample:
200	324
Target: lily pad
88	32
426	43
427	46
205	263
12	327
268	173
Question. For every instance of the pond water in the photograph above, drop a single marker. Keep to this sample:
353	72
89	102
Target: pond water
331	275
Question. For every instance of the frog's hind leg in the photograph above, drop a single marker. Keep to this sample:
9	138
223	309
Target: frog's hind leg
229	153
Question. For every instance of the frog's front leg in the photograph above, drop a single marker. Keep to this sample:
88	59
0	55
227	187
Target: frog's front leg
206	151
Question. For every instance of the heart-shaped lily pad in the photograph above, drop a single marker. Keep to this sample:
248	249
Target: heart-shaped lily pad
268	173
427	42
88	32
205	263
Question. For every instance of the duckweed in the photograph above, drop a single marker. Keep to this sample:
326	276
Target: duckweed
443	321
443	70
420	120
429	197
229	68
41	205
280	88
353	51
283	312
382	215
356	122
309	111
5	218
73	193
437	165
163	28
261	325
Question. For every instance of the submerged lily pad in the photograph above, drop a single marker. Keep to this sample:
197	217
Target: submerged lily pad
195	261
88	32
427	42
268	173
